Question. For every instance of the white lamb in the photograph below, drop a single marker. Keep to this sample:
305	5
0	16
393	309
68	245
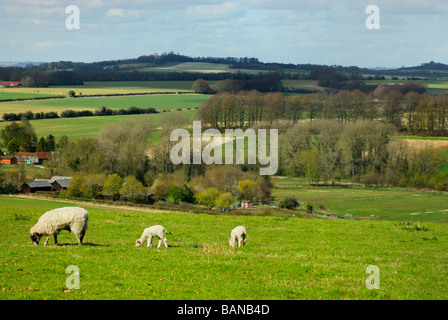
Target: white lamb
238	234
154	231
72	219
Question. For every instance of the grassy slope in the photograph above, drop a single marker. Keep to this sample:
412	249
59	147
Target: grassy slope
89	126
389	204
284	258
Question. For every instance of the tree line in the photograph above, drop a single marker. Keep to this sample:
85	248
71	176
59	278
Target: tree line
101	111
407	110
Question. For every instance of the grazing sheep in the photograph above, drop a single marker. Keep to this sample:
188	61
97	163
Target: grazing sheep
149	233
72	219
238	234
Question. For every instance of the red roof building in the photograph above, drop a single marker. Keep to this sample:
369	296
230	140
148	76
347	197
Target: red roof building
8	160
8	84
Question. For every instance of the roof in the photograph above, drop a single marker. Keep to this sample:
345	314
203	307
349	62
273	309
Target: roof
62	182
57	178
39	155
6	158
39	184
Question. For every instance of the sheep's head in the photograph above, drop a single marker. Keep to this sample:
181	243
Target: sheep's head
231	242
138	243
35	238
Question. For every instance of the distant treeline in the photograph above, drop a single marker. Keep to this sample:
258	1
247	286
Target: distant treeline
102	111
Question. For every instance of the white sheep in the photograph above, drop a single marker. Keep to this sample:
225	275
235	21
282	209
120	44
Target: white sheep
238	234
72	219
154	231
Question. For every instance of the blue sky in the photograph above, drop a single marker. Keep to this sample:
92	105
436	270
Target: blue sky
320	31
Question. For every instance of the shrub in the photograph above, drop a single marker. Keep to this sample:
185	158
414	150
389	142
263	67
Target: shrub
308	207
289	203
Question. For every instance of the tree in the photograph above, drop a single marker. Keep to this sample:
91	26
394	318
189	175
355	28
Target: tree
51	143
23	133
112	186
208	197
247	189
42	145
201	86
78	186
225	200
132	189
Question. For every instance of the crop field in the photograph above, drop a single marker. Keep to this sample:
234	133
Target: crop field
157	101
284	258
107	87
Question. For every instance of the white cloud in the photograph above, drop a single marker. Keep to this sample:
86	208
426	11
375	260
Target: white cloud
114	13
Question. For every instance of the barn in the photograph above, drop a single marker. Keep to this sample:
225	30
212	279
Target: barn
8	160
32	157
36	185
60	183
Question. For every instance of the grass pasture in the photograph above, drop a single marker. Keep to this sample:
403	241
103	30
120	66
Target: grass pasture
7	95
78	127
317	258
157	101
368	203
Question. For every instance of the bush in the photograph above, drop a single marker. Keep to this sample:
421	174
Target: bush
289	203
308	207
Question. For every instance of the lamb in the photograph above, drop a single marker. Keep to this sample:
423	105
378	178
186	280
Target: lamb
239	233
72	219
154	231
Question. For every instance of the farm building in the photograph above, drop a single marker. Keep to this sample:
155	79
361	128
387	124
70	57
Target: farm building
246	205
10	84
36	185
8	160
32	157
60	183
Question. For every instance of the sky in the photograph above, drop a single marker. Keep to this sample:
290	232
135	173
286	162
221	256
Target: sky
331	32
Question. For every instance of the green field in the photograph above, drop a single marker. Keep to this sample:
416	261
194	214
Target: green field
368	203
284	258
78	127
157	101
23	95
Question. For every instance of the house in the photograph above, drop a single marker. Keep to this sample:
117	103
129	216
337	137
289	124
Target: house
32	157
36	185
246	204
8	160
9	84
60	183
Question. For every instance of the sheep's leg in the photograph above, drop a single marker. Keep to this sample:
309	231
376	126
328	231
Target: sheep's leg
240	241
150	241
160	243
81	237
165	241
46	241
56	239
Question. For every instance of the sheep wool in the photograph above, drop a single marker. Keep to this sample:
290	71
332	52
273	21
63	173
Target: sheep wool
72	219
154	231
238	235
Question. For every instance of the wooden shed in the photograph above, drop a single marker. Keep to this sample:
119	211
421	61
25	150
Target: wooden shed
8	160
36	185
